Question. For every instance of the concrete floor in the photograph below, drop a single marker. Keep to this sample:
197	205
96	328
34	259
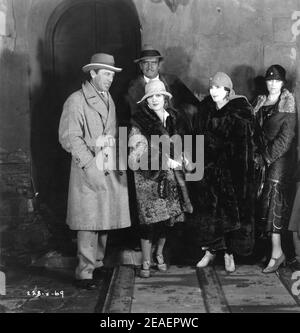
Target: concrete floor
179	291
175	291
182	289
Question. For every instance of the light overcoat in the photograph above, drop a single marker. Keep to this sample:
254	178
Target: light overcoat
98	198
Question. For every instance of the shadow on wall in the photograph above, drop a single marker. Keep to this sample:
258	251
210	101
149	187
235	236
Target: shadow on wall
177	62
245	83
51	164
22	230
291	80
13	97
198	88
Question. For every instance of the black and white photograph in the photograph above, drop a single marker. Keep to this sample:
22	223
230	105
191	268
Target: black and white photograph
149	159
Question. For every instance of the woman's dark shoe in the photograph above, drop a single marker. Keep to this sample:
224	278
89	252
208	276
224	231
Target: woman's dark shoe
278	262
88	284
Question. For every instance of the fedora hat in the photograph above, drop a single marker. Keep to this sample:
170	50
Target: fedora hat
154	87
148	52
101	61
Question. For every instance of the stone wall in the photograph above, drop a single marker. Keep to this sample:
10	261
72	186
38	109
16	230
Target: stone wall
242	38
15	187
14	76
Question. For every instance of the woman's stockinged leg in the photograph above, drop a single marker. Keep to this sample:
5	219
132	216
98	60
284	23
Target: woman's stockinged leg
160	246
161	265
146	245
276	245
161	231
146	234
277	256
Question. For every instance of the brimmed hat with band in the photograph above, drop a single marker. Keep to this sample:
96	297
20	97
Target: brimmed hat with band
275	72
148	52
101	61
155	87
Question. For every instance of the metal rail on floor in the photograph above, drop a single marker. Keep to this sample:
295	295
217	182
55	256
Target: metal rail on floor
212	292
120	291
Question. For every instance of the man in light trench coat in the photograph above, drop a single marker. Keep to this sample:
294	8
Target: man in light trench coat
98	195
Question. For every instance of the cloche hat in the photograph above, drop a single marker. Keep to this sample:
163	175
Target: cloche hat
275	72
221	79
155	87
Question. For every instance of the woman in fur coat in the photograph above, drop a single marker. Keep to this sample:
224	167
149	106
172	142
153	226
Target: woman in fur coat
275	116
162	197
223	199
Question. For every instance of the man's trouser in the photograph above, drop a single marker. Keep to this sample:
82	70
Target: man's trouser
90	252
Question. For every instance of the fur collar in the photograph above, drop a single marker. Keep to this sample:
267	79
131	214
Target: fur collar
238	107
150	124
286	102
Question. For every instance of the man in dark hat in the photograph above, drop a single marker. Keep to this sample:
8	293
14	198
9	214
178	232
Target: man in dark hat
150	65
98	195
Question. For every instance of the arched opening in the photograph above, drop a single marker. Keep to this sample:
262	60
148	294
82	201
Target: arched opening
79	28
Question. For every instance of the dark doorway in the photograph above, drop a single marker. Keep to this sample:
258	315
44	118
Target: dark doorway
76	30
90	26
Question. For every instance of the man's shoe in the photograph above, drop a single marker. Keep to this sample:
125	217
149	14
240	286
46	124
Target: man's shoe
88	284
208	257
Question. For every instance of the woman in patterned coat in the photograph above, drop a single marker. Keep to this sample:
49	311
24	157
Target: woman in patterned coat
161	194
275	117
